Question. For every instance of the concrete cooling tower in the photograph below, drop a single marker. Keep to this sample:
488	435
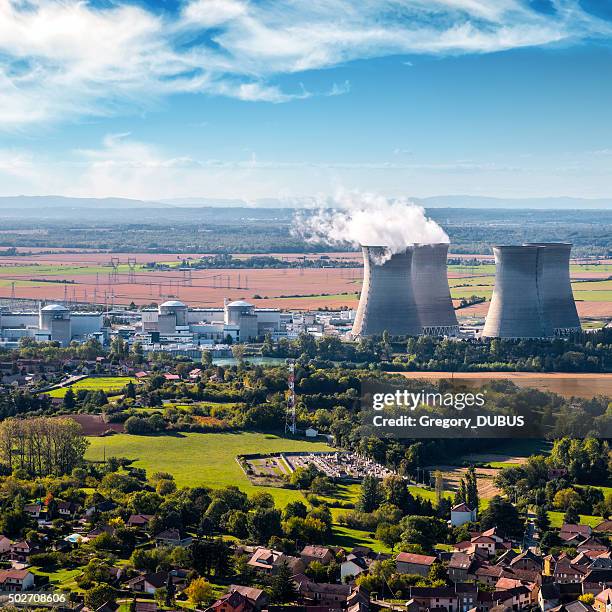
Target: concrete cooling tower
555	286
387	301
431	292
516	306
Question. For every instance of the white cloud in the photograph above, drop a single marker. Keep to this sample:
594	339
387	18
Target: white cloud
65	59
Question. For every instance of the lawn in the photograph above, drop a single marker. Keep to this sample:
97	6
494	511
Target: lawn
556	519
108	384
349	538
207	459
61	578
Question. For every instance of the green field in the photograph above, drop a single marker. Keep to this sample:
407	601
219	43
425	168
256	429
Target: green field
207	459
108	384
556	519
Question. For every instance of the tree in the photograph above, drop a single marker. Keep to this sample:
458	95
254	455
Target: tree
130	390
542	519
396	492
439	480
571	516
370	496
199	591
502	514
468	489
99	595
565	498
282	587
423	531
69	399
389	535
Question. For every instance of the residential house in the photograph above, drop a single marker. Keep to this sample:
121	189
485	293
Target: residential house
321	594
268	561
149	583
34	510
461	514
172	537
459	567
234	601
140	521
410	563
603	601
16	580
316	553
596	579
352	566
257	597
20	551
5	545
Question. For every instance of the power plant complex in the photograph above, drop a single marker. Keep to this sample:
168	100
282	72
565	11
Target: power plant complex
407	293
404	293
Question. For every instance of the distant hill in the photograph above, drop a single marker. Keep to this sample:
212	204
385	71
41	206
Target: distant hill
21	202
449	201
468	201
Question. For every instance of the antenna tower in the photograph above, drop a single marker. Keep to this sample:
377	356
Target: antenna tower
290	421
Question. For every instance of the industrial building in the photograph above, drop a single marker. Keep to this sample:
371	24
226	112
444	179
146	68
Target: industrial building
431	291
406	294
53	322
555	288
532	297
238	320
387	301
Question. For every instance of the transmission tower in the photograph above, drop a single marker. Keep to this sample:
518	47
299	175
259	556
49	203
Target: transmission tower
131	270
290	422
114	262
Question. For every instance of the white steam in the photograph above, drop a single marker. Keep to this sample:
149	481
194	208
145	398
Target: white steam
371	220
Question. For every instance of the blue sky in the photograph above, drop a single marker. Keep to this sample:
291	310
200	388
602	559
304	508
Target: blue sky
239	99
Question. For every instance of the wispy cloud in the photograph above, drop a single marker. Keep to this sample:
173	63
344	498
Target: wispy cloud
67	59
124	166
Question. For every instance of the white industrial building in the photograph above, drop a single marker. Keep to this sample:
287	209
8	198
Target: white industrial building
239	320
53	322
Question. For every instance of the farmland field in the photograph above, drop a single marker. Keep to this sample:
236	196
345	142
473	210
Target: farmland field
566	385
197	459
108	384
87	277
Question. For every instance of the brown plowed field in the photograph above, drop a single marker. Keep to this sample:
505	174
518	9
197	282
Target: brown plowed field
87	275
566	385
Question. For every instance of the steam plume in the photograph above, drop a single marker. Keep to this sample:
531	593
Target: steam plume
371	220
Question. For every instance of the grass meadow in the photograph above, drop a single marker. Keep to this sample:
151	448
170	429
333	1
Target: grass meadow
202	459
108	384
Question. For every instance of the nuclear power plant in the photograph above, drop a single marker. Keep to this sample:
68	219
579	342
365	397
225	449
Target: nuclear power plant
387	300
555	288
431	291
406	293
532	297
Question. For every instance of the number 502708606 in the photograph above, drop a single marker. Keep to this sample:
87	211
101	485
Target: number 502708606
37	598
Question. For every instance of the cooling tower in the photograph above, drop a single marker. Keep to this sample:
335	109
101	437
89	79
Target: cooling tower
556	294
387	301
431	293
515	310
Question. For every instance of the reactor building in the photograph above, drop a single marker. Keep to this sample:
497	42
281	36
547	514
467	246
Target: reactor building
431	291
532	297
387	300
555	287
